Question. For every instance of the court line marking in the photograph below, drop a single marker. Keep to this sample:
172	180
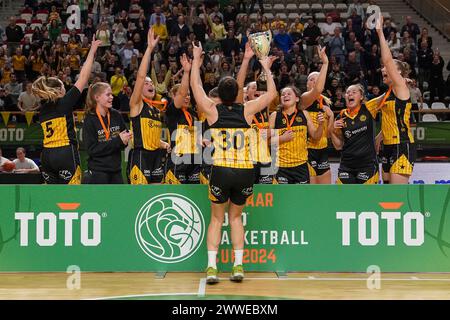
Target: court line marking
344	279
146	295
202	287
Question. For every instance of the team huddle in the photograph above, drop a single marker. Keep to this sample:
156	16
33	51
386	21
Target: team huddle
228	138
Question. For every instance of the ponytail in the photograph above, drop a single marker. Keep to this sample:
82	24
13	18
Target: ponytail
47	88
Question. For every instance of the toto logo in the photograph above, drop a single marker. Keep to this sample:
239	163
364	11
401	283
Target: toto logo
169	228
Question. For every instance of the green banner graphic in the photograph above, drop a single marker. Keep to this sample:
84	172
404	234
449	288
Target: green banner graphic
163	228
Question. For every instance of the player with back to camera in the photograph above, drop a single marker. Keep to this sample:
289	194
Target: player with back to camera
232	173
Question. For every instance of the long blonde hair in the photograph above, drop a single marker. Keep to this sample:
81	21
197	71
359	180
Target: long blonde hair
94	90
47	88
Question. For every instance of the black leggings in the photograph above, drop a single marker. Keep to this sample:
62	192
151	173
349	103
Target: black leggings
98	177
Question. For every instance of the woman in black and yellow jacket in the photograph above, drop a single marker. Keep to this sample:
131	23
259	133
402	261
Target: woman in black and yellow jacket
104	137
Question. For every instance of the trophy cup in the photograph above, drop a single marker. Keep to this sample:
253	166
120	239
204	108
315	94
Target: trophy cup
260	43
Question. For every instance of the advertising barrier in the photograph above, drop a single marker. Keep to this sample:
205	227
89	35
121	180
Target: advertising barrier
163	228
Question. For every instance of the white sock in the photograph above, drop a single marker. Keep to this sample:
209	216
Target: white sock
238	254
212	255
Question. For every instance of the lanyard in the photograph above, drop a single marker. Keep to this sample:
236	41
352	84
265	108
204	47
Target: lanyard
258	124
105	129
188	116
320	99
156	104
289	123
385	97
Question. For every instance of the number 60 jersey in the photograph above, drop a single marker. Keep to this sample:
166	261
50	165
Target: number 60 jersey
57	121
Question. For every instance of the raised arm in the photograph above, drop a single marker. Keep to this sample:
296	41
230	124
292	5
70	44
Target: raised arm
136	96
205	104
183	91
398	82
85	72
310	96
243	71
264	100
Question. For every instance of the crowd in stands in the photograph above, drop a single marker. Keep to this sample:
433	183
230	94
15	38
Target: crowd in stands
46	46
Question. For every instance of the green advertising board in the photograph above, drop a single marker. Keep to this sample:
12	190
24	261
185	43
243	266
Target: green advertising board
426	133
163	228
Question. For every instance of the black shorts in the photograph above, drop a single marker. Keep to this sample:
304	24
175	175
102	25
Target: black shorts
145	167
293	175
398	158
182	173
318	161
263	173
231	184
205	173
61	165
365	175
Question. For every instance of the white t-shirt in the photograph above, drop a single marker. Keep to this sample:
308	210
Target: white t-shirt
3	160
26	164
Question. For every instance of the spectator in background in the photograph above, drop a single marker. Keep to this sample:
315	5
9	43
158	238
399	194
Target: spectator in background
412	28
230	45
252	7
436	78
216	25
180	29
311	35
118	82
54	15
424	60
337	46
388	28
126	53
357	7
160	29
18	61
3	160
425	37
23	164
283	40
353	71
103	34
120	35
14	34
13	89
416	97
394	44
328	29
157	13
27	101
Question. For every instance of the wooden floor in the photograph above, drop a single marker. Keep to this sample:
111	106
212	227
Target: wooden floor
193	285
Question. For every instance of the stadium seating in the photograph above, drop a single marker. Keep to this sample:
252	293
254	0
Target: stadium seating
429	118
438	106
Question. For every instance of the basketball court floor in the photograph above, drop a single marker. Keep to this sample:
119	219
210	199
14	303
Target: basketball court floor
192	286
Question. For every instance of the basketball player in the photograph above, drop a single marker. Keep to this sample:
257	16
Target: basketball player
232	173
292	127
60	159
316	103
353	132
144	161
181	121
399	151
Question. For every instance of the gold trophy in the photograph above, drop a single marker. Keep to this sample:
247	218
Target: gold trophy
260	43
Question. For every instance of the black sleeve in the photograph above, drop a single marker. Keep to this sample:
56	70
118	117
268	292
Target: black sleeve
91	143
69	100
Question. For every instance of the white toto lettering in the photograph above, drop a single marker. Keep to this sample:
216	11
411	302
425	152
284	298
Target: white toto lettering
47	228
412	236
